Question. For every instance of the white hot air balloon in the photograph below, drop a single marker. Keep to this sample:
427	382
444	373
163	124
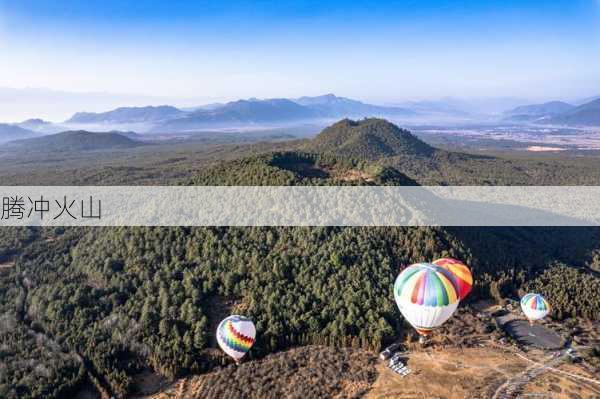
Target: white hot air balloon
534	306
425	296
236	335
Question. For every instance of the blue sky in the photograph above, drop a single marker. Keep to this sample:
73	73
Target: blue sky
372	50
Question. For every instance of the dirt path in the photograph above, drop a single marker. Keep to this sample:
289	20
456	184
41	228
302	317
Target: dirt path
513	385
555	370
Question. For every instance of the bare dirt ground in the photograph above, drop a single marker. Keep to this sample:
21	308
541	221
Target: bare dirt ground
451	373
555	385
354	175
481	373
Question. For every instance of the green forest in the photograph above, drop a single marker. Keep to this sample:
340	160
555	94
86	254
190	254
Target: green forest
100	305
116	301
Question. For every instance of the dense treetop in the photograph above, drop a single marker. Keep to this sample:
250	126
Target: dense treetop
368	139
299	168
116	301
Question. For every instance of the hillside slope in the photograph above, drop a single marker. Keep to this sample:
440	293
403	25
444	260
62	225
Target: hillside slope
587	114
369	149
536	112
368	139
10	132
310	371
298	169
75	141
165	289
548	108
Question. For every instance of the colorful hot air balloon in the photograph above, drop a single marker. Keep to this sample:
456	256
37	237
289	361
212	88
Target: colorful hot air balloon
235	336
462	277
534	306
425	296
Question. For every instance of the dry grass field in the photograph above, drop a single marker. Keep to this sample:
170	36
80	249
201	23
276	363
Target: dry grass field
453	373
482	373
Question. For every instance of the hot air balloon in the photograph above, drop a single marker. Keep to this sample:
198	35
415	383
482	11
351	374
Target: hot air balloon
235	336
534	306
461	275
425	296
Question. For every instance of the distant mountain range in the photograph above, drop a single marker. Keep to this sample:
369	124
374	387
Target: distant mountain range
318	111
331	106
537	111
33	124
128	115
587	114
278	111
557	113
585	100
239	113
41	126
9	132
75	141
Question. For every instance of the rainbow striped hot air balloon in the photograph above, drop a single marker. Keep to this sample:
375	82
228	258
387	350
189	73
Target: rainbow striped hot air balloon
235	336
425	296
461	275
534	306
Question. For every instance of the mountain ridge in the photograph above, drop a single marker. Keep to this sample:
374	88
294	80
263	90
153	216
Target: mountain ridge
240	113
10	132
127	115
330	105
75	140
540	110
587	114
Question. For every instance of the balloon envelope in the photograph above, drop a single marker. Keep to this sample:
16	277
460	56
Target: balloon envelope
425	296
534	306
461	275
236	335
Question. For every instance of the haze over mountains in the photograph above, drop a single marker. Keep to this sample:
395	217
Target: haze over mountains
327	108
587	114
75	141
558	113
240	113
10	132
318	112
538	111
128	115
